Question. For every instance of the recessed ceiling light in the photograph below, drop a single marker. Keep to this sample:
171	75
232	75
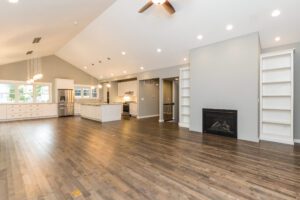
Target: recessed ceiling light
123	53
275	13
13	1
277	39
124	72
85	67
112	74
200	37
185	59
229	27
75	22
158	50
142	68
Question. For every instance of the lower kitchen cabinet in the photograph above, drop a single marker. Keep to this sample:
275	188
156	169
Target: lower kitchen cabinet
11	112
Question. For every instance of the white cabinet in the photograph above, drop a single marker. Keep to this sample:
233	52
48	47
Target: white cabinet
133	109
2	112
91	112
77	108
277	96
128	86
27	111
64	84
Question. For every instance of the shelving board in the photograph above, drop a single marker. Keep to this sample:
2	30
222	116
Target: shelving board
277	97
184	101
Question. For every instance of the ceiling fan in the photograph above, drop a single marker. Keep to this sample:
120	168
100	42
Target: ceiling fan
165	3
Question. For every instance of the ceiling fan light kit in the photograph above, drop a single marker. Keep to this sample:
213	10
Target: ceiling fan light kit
158	2
165	3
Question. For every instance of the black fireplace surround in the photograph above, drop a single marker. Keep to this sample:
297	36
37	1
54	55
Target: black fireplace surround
220	122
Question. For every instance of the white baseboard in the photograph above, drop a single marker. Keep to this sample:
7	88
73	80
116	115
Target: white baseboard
147	116
184	125
161	121
297	141
29	118
277	140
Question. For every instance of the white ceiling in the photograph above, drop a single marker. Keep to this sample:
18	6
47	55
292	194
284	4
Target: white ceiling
50	19
121	28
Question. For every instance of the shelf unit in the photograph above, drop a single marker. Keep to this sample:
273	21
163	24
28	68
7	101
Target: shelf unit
184	101
277	97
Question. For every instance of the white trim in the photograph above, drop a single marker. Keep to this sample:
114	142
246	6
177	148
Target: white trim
147	116
277	53
161	121
274	138
297	141
277	140
184	125
30	118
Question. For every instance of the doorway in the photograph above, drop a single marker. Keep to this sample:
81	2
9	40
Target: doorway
171	99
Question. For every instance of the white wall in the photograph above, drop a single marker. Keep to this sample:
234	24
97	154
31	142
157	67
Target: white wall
225	75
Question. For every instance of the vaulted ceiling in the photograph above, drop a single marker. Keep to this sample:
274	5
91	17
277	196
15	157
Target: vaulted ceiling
56	21
117	28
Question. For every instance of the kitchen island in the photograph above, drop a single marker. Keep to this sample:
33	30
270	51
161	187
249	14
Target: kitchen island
101	112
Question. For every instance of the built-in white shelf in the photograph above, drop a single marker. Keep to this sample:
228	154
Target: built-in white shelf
277	97
279	109
276	69
277	122
184	92
276	82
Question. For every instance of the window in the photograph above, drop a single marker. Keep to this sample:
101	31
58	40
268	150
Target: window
7	93
42	93
94	93
25	93
86	92
20	92
77	92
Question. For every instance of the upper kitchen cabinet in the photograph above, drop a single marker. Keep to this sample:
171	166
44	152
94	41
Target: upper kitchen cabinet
127	88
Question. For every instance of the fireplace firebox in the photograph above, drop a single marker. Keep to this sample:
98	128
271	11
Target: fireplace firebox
220	122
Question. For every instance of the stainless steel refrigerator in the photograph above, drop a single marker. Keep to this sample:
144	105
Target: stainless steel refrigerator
65	103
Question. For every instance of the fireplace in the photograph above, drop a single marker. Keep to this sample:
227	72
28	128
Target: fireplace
220	122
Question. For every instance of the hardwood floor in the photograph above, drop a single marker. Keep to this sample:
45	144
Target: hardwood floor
71	158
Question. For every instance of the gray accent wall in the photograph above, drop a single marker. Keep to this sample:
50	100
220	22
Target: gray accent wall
295	46
149	98
225	75
160	74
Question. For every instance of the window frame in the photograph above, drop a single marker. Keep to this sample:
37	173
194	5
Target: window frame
82	87
17	94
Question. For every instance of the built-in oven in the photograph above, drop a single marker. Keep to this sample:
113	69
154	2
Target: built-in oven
126	108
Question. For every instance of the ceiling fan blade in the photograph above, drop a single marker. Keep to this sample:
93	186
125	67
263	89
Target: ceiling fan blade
168	6
148	5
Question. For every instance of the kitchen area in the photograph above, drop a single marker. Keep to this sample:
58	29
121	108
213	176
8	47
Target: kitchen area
108	101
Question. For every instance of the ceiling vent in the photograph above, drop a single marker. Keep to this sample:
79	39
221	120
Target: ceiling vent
29	52
36	40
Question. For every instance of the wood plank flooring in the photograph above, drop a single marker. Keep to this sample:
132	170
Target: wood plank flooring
72	158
